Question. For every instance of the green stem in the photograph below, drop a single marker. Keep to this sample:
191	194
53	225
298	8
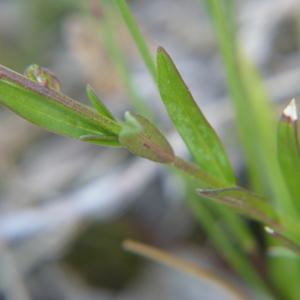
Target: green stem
137	36
118	58
194	171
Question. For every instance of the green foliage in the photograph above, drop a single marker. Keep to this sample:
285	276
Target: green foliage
245	202
97	103
253	112
235	232
142	138
137	36
103	140
52	110
275	178
255	122
288	151
199	136
197	133
107	24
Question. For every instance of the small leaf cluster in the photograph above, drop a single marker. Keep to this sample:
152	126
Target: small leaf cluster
37	97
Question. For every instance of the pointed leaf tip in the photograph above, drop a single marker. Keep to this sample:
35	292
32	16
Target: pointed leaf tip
290	112
161	50
288	153
97	103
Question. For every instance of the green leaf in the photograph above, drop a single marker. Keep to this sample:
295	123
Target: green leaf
245	202
193	127
142	138
288	151
291	227
51	110
199	136
280	251
280	226
97	103
103	140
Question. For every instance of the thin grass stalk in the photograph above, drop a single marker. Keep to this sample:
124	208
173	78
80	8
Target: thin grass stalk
137	35
118	58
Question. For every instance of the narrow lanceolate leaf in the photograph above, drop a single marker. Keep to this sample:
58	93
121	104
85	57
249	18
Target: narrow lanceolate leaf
142	138
50	109
97	103
199	136
195	130
253	206
245	202
288	151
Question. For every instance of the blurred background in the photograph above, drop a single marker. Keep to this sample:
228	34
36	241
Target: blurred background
66	206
